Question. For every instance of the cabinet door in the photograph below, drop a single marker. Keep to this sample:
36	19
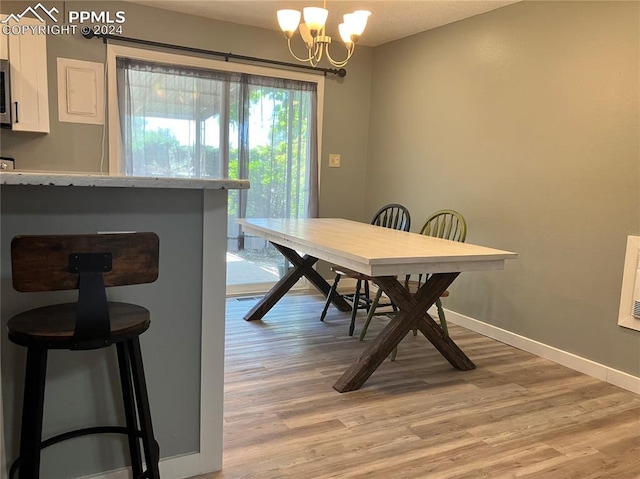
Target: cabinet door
29	89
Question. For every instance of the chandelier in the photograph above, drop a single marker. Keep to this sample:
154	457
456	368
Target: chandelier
312	31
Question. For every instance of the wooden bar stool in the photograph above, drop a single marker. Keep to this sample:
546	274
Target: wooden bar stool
88	263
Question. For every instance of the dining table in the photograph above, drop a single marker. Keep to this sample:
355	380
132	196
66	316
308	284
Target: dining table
387	256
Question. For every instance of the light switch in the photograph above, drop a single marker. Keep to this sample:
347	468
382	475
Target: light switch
334	160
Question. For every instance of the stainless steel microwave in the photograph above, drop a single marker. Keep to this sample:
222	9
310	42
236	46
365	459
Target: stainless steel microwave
5	94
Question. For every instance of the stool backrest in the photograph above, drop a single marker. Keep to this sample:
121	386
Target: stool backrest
45	263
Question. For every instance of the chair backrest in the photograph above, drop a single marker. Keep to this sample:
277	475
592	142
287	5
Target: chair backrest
446	224
393	216
54	262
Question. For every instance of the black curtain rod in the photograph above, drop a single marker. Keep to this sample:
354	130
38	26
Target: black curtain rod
341	72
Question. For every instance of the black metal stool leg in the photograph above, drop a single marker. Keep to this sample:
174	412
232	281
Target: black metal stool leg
149	443
124	365
32	413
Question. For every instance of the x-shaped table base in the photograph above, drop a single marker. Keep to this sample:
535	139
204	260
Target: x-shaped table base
412	314
302	266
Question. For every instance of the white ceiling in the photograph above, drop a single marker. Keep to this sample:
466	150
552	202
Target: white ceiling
390	20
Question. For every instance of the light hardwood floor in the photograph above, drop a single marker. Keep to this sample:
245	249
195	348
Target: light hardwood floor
515	416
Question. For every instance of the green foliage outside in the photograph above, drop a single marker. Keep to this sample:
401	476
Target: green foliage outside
277	171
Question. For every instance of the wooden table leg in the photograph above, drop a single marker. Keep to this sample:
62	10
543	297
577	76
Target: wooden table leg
411	313
305	263
302	266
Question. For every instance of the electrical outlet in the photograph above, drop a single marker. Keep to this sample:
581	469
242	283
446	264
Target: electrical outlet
334	160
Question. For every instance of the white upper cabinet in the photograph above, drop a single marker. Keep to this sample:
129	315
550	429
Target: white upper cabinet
27	54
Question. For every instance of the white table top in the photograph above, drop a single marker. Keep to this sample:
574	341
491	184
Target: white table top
373	250
36	178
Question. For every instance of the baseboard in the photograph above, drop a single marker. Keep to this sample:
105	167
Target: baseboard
178	467
577	363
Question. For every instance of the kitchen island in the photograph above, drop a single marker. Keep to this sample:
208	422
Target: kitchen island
184	347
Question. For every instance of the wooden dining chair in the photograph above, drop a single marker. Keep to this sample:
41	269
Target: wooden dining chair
393	216
88	263
445	224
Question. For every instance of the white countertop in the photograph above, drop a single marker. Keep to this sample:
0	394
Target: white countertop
98	180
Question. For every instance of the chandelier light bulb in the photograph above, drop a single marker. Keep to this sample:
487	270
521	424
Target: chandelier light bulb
345	34
357	21
306	35
315	18
288	21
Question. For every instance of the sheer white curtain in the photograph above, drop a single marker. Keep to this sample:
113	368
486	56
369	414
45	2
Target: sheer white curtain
195	122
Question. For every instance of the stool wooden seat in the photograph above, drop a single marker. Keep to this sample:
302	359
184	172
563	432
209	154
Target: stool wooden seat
88	263
53	326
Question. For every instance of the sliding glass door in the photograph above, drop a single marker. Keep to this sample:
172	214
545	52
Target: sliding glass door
182	121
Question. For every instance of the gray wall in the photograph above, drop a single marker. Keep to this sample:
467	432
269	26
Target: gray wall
75	147
525	119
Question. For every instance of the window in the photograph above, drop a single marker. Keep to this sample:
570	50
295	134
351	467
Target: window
183	116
